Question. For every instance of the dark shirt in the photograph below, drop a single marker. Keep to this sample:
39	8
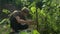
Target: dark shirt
14	24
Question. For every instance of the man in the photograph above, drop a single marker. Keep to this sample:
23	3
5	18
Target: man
18	20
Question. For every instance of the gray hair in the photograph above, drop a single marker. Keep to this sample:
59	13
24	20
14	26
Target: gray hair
25	10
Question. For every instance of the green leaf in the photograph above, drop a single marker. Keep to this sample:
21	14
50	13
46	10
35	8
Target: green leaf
3	21
33	9
35	32
5	11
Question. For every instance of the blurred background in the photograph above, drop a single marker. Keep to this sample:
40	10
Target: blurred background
46	13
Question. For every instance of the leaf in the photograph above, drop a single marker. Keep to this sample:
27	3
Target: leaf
33	9
5	11
35	32
3	21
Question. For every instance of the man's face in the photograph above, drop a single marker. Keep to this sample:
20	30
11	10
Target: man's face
25	14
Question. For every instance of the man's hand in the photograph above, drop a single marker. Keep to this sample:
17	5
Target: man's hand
30	22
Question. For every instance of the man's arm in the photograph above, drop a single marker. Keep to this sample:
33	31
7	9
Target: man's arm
24	21
20	20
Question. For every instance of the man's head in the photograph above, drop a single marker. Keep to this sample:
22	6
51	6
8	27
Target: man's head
25	11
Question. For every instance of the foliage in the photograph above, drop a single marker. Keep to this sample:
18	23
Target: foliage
5	11
48	12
